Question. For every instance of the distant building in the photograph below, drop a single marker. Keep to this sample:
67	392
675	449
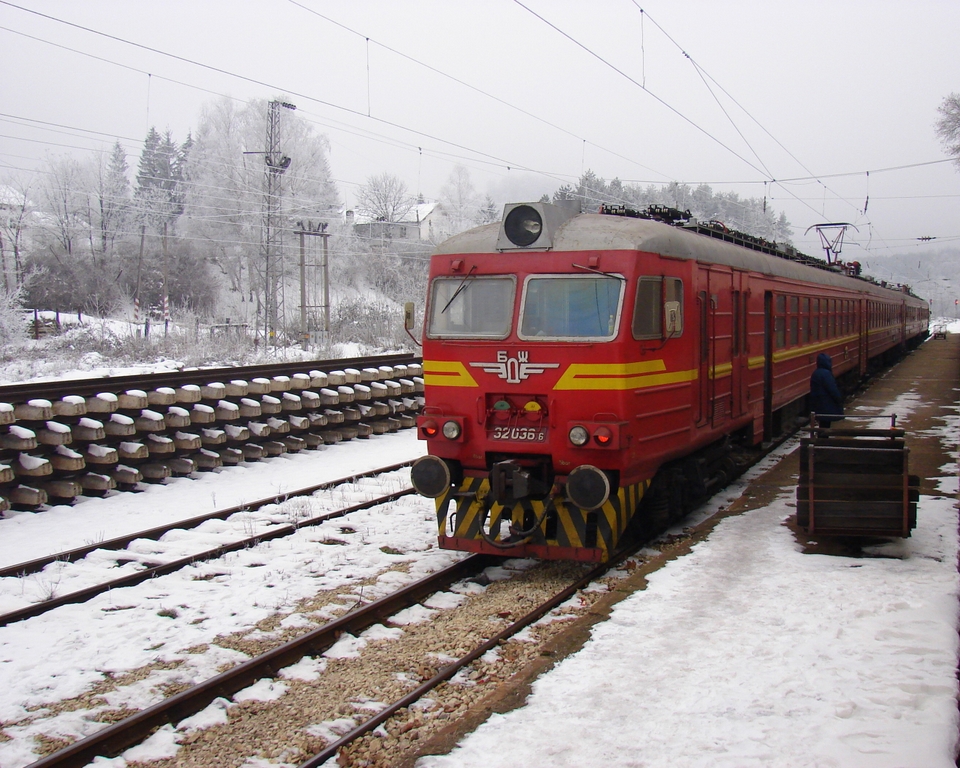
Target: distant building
424	223
11	201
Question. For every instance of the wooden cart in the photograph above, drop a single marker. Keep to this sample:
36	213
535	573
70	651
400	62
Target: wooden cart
856	482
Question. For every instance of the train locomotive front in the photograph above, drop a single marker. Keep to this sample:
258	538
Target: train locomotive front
533	354
581	368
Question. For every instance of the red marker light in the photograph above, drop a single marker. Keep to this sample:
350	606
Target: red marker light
429	429
603	436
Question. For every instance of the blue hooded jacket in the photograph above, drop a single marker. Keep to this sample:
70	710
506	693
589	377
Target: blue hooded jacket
825	396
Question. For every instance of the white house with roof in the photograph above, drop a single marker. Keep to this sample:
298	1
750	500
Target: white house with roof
425	222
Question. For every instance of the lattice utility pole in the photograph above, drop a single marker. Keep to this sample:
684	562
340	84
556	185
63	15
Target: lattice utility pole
271	251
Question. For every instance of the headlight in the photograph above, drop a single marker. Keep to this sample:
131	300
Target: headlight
523	226
451	430
579	436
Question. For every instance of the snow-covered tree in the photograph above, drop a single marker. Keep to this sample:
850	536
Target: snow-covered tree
224	207
459	200
160	180
64	204
948	125
109	199
487	212
15	215
385	198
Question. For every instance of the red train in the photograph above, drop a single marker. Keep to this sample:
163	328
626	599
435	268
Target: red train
575	364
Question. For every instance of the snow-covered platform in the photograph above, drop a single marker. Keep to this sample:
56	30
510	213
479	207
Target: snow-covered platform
760	646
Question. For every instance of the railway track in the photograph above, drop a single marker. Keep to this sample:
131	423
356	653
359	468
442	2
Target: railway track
170	566
497	623
60	440
115	738
448	671
121	735
57	390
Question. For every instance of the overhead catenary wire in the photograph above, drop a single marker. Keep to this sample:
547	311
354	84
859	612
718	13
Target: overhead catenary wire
492	160
276	88
618	70
192	216
631	79
472	87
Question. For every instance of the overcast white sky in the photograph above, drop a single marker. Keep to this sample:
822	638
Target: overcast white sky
838	86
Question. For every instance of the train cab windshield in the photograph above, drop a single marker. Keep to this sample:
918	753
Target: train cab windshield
471	307
571	307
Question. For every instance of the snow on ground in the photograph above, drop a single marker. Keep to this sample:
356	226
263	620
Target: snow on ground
749	652
176	618
746	652
80	351
27	535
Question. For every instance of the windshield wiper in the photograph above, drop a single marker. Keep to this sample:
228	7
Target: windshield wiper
460	288
599	272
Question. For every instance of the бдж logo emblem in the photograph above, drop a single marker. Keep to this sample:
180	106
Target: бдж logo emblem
514	369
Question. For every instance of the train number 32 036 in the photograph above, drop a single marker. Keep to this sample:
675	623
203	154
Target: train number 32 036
530	434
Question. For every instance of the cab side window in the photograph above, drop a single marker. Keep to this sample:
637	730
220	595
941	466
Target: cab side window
658	312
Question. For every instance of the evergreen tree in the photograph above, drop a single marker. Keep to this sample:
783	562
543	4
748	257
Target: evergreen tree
160	188
114	202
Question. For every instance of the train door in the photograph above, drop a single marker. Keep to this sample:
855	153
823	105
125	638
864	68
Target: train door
723	306
902	309
863	333
703	364
739	347
768	343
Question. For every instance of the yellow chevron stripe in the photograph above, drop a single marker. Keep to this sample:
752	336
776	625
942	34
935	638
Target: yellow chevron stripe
447	373
564	513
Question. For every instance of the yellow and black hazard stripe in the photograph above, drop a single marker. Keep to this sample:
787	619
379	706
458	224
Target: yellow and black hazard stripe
464	513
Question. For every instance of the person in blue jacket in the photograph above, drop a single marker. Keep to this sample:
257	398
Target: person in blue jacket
825	399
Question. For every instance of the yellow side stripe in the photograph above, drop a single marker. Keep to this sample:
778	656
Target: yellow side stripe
620	376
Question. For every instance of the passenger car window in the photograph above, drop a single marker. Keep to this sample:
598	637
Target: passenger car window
471	307
571	307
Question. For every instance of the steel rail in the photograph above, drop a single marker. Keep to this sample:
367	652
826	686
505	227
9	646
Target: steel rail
82	595
72	555
451	669
55	389
115	738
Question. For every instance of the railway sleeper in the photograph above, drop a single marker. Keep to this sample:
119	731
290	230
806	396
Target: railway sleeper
89	446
